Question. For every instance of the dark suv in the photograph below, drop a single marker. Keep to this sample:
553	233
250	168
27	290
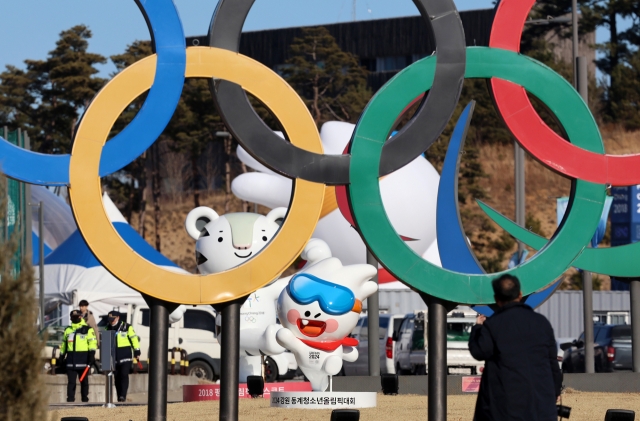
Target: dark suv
612	350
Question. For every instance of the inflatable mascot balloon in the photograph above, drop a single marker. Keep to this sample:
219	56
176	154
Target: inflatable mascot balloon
318	309
409	197
223	242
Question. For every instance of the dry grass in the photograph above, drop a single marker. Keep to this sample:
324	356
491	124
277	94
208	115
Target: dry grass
620	142
23	394
542	185
586	407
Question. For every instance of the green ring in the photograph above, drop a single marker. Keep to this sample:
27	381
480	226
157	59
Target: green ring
364	191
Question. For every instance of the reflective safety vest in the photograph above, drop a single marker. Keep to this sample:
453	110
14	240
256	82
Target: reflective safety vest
79	339
126	339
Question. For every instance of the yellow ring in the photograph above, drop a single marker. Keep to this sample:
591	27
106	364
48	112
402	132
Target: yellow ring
123	262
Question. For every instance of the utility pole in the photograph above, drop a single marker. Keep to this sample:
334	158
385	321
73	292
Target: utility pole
519	168
582	86
353	10
576	41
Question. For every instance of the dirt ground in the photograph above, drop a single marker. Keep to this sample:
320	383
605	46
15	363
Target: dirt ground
586	407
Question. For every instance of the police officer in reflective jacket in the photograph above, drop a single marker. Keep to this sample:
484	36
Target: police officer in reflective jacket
79	347
127	348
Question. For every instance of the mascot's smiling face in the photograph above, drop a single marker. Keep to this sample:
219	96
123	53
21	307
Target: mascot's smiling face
223	242
323	302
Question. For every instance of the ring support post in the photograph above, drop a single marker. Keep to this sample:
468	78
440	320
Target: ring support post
373	313
229	356
158	345
437	357
635	324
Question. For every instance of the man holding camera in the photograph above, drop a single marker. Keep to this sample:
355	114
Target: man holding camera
521	378
127	348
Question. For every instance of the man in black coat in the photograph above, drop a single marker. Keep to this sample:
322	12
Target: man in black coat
521	378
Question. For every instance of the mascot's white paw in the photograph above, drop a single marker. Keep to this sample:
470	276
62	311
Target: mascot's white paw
332	365
271	345
409	197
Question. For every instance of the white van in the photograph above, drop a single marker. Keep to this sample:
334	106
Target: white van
388	324
411	344
194	332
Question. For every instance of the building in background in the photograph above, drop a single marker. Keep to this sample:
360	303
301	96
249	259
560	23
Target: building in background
386	46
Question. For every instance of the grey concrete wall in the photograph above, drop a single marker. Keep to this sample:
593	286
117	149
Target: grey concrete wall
138	383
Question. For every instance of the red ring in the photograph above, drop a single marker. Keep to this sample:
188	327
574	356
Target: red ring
527	126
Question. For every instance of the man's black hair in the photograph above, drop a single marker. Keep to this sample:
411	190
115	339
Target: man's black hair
83	303
506	288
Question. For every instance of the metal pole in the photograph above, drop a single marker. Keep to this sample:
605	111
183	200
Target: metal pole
587	303
20	211
519	168
5	223
28	210
41	260
437	359
373	314
587	281
158	345
229	360
635	324
575	40
582	78
108	390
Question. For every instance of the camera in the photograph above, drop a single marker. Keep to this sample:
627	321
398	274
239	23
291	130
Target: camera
563	411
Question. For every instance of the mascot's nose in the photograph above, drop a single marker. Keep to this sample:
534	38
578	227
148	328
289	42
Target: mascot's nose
242	246
200	258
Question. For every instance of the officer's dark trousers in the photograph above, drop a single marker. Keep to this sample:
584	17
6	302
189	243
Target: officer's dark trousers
72	374
122	378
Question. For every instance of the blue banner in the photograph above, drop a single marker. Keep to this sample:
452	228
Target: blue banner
561	208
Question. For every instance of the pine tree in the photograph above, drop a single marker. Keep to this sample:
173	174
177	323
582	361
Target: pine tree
47	98
330	81
127	186
194	126
624	96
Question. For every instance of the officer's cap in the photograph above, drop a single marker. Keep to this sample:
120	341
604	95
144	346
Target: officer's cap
113	314
75	313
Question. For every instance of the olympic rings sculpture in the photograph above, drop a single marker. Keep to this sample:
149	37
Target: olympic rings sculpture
371	155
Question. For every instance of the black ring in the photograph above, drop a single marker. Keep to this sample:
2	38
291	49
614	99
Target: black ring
293	162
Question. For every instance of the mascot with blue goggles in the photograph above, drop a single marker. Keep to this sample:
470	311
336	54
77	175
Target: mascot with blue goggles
318	310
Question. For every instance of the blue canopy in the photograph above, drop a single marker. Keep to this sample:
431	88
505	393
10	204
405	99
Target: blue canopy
74	251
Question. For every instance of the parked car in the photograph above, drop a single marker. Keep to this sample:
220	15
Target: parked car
412	345
387	325
612	350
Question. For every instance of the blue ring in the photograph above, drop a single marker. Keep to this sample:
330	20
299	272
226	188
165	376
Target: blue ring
156	112
455	253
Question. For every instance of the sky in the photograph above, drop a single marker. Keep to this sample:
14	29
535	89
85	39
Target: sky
30	28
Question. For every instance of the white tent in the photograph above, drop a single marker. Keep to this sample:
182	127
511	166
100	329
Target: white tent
72	273
58	221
